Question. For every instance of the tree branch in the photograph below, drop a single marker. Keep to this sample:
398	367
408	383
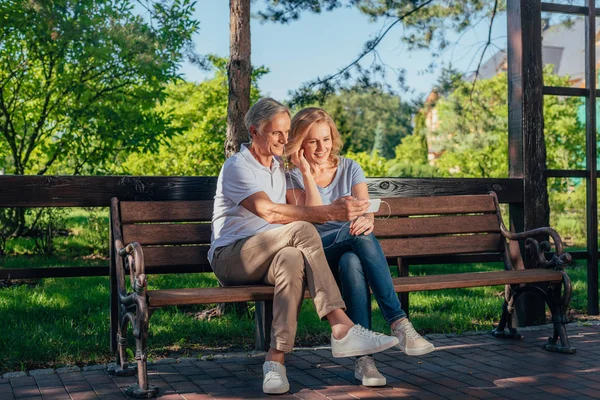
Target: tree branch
487	44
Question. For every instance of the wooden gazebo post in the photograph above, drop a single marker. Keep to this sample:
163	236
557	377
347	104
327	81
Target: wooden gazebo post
526	147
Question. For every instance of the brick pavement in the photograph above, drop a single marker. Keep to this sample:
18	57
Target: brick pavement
463	367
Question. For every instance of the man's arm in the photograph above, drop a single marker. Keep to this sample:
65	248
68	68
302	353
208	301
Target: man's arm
343	209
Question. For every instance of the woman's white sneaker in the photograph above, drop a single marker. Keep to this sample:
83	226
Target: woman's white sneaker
360	341
410	342
366	372
274	378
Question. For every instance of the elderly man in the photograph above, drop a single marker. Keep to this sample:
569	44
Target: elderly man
258	238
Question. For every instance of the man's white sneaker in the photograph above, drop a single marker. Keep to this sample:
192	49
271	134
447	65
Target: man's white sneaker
411	343
360	341
274	378
366	372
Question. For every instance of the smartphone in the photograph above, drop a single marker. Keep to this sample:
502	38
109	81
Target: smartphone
374	205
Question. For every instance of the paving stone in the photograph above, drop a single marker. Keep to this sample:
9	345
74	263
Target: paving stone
164	361
99	367
462	367
26	391
10	375
68	369
38	372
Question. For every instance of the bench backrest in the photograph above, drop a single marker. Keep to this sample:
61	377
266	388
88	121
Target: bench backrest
175	235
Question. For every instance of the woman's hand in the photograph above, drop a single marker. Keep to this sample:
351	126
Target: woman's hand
301	162
361	226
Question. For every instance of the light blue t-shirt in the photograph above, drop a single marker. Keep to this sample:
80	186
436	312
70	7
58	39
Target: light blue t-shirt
242	176
348	174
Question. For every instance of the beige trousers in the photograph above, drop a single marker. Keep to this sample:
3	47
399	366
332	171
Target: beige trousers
287	258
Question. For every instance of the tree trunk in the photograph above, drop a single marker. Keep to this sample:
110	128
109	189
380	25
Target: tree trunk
239	73
239	78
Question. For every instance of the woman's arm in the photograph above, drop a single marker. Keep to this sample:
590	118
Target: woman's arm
311	197
343	209
364	224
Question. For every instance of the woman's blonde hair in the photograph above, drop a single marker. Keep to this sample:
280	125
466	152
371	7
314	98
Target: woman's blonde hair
301	124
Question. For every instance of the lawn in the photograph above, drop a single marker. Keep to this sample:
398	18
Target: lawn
65	321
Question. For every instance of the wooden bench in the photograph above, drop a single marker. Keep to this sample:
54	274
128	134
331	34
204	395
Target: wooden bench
174	236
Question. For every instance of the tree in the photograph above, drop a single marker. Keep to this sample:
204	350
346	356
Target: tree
473	129
79	80
411	158
199	111
239	71
360	114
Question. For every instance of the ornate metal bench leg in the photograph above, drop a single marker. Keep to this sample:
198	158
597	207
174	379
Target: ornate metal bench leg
122	367
506	319
141	390
558	308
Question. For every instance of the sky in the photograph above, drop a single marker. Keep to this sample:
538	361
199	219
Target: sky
319	44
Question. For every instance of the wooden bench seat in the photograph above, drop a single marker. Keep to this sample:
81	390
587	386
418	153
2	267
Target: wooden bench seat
174	237
189	296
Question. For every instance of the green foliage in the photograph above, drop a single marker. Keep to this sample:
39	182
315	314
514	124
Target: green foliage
372	164
47	224
473	128
370	120
95	230
411	158
199	111
80	80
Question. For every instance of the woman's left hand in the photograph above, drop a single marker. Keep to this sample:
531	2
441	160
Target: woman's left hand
361	226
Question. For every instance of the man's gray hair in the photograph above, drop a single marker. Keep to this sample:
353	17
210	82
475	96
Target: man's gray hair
263	111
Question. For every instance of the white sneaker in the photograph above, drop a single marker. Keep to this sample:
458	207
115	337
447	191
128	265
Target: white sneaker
274	380
360	341
366	372
411	343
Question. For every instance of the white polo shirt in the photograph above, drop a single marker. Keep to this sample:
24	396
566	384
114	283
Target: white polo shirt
242	176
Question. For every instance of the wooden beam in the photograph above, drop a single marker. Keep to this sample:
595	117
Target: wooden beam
566	173
565	91
564	8
52	272
96	191
591	163
526	147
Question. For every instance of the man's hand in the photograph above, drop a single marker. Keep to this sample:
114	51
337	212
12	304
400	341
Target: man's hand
347	208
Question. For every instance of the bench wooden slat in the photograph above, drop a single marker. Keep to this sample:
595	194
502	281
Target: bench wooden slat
154	234
404	227
169	297
166	211
402	207
475	279
429	246
175	255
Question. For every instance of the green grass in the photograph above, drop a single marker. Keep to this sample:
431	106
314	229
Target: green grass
62	321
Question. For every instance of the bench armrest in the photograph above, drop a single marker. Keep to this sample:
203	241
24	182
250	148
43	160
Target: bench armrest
134	261
131	259
559	259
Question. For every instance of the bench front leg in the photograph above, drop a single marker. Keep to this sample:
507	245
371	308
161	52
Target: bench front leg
133	309
403	267
263	321
559	305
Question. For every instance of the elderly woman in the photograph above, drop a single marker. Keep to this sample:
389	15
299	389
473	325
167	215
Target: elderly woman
259	239
320	176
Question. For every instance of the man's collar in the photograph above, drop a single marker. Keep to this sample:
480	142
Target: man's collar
245	152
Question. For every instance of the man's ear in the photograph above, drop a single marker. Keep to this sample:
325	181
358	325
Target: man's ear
253	131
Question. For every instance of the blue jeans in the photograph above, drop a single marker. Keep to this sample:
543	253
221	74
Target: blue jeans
358	262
